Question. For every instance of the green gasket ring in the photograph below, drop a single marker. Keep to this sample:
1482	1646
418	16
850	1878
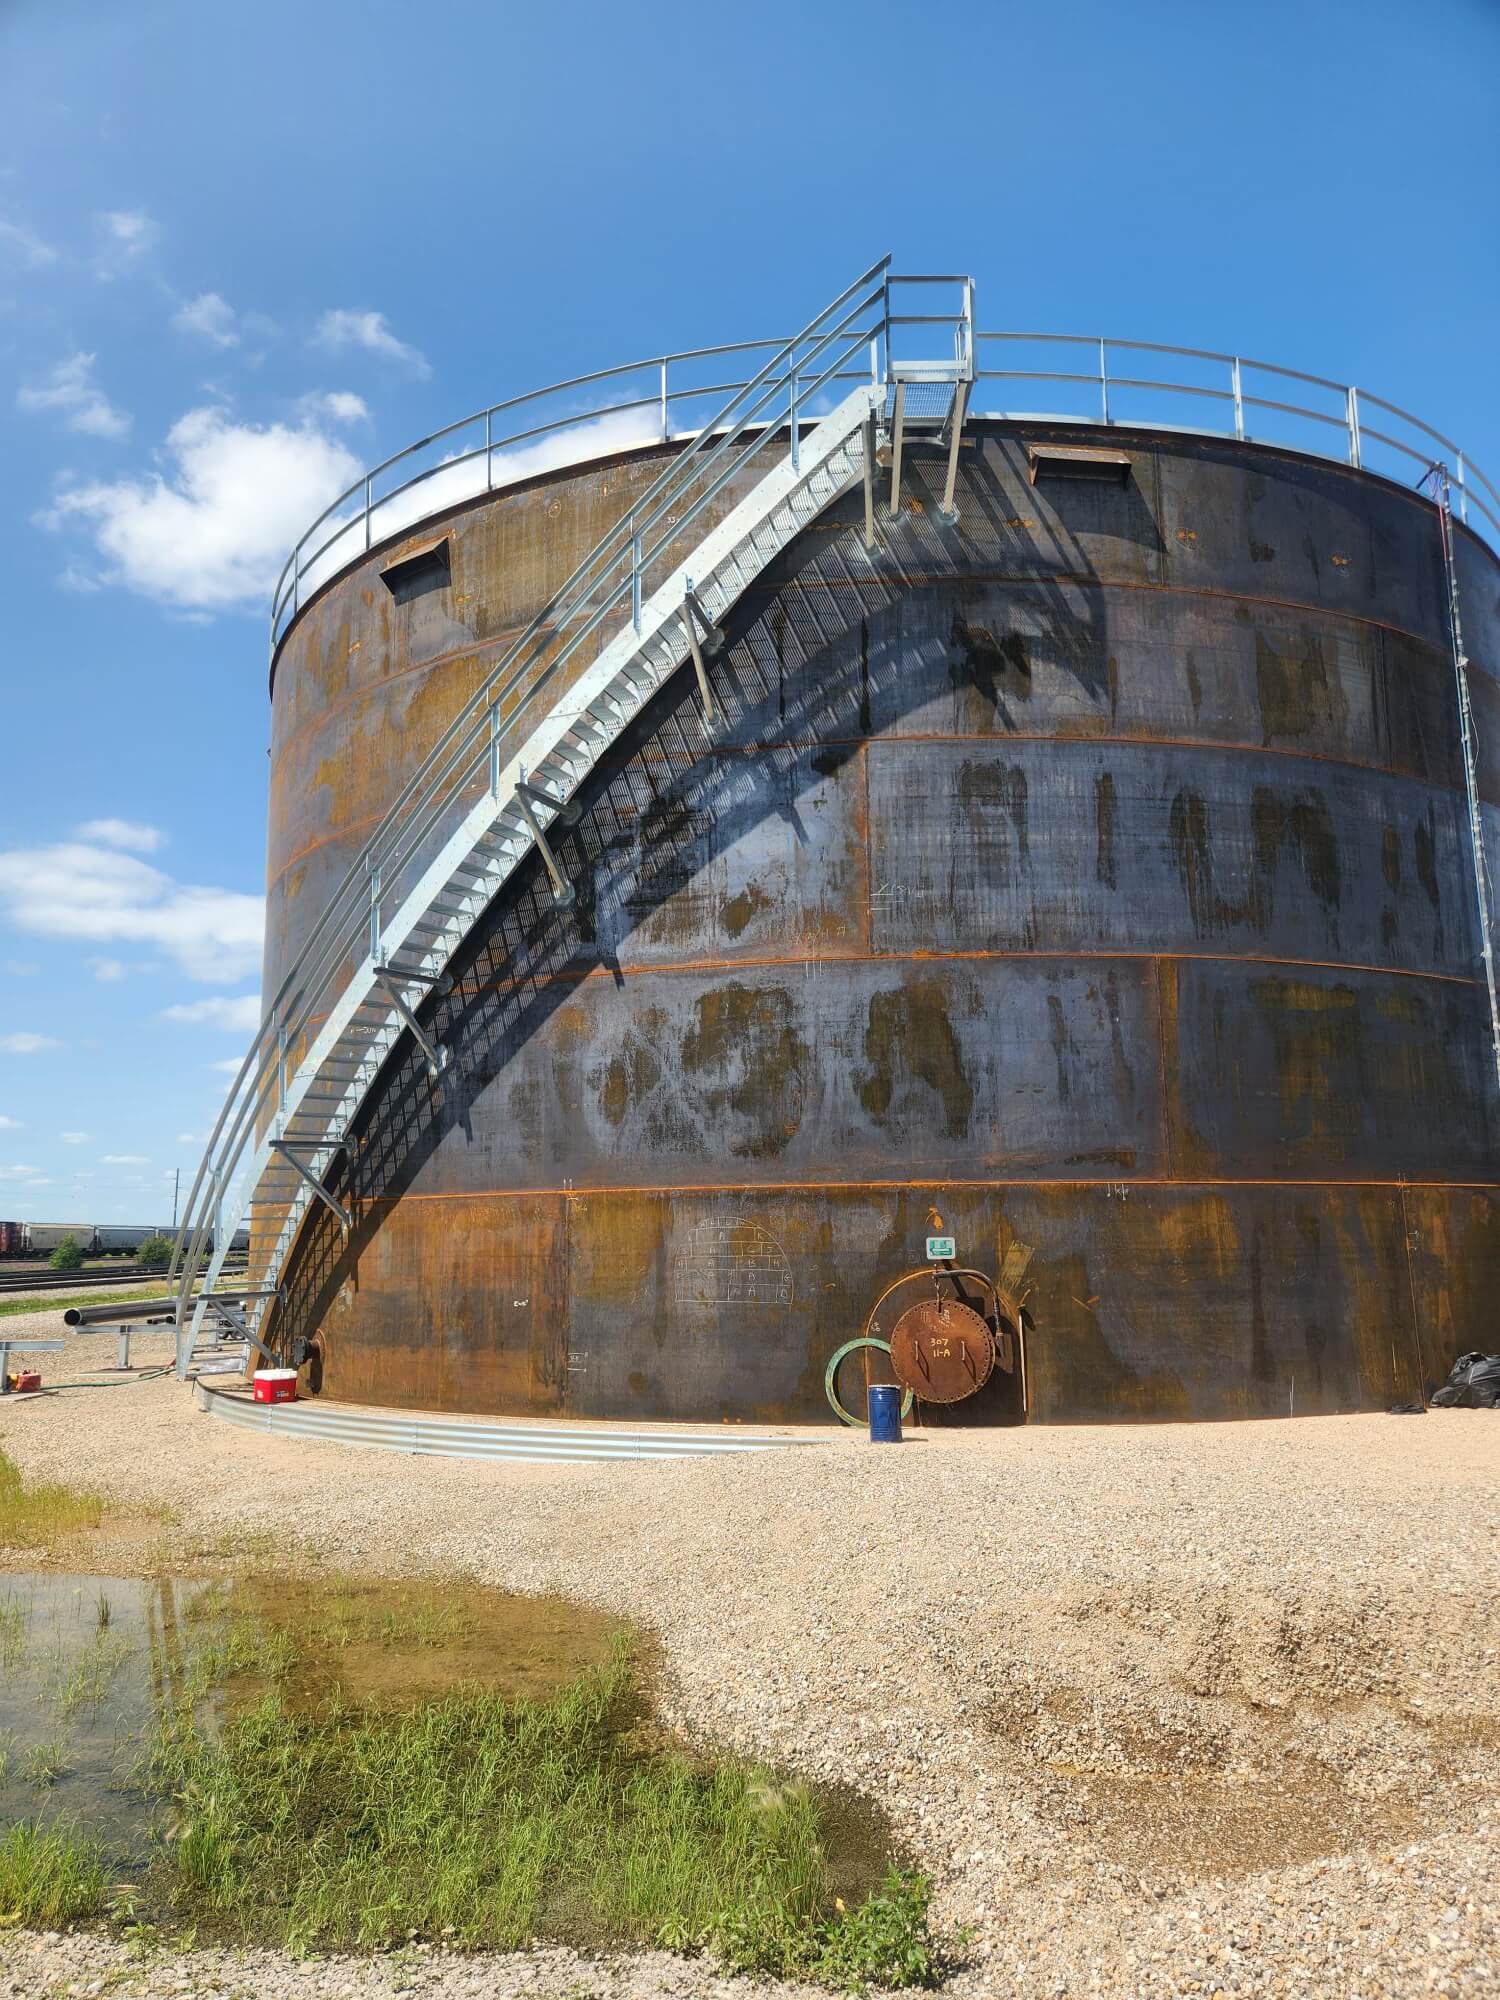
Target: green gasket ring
865	1340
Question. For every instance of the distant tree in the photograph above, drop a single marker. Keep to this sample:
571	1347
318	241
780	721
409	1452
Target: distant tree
67	1256
155	1253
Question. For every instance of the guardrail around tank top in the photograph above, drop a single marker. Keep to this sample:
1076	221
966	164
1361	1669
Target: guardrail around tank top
669	396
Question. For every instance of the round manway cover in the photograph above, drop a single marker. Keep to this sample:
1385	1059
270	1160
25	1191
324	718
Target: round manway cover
942	1351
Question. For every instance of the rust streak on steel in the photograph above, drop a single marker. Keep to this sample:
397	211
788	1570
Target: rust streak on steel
349	830
1102	888
585	1190
581	975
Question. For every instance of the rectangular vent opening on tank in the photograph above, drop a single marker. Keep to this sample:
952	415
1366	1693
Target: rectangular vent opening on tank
419	571
1077	461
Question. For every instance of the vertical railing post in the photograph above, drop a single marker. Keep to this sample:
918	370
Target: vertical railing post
874	360
489	431
367	513
1463	491
1351	418
665	431
281	1048
1239	399
495	751
375	913
1103	383
792	421
635	581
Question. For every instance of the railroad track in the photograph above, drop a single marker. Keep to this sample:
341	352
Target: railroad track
84	1281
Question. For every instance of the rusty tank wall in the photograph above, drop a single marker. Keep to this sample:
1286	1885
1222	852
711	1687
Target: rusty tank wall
1096	873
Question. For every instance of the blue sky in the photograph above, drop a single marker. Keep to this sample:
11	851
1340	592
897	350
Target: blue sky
244	251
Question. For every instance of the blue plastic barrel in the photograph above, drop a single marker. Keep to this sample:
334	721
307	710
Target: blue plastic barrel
885	1413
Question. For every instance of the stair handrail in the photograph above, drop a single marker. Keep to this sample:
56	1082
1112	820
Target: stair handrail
302	558
439	779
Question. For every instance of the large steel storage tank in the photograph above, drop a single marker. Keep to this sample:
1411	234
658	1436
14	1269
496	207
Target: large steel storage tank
1096	871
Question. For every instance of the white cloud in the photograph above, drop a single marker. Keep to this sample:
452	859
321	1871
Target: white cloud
133	834
339	406
27	245
211	317
588	437
22	968
31	1176
24	1043
75	1138
71	388
228	1066
344	329
192	1138
125	1160
241	1017
128	234
106	970
77	890
461	479
213	533
9	1124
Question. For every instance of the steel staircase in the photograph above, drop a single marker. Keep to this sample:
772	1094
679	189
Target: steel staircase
222	1341
646	601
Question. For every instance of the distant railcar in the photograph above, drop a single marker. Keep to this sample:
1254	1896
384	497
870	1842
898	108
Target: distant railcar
116	1238
12	1239
44	1237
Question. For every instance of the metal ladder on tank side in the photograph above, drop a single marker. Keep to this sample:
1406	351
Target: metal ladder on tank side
1436	480
470	815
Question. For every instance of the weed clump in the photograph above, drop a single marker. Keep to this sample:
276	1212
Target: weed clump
887	1940
49	1876
36	1513
494	1821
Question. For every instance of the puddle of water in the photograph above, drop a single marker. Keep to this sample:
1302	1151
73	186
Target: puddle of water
397	1644
91	1667
82	1666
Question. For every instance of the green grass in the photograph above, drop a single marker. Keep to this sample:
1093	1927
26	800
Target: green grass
36	1513
44	1763
347	1621
123	1296
49	1876
886	1940
87	1681
241	1650
493	1822
13	1634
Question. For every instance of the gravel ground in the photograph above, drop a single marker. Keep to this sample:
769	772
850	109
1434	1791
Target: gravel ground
1164	1710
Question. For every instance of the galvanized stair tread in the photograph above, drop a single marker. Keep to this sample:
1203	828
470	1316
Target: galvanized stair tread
501	828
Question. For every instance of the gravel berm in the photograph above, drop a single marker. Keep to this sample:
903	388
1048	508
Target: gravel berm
1178	1709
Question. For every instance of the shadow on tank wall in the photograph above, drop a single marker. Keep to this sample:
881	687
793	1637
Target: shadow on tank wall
836	652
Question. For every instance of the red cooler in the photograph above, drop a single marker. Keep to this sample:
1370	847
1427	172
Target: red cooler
275	1385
